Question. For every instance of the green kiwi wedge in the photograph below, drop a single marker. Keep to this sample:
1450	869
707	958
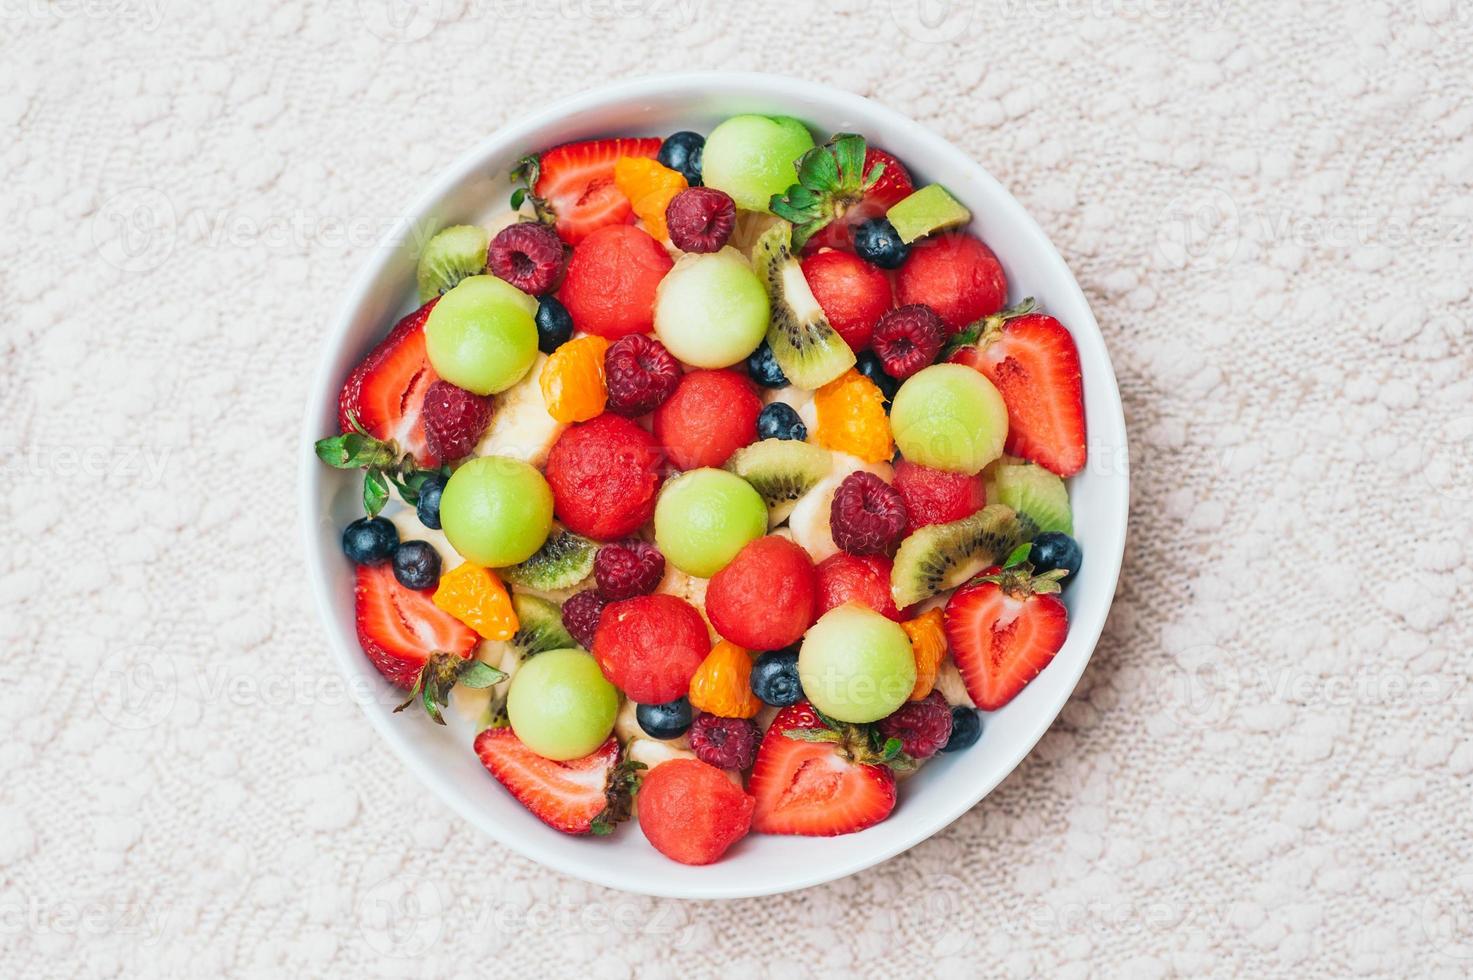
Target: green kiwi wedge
455	253
807	348
942	556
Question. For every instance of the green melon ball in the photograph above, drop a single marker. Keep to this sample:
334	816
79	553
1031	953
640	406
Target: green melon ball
560	704
754	157
711	310
949	417
704	517
496	511
856	665
482	335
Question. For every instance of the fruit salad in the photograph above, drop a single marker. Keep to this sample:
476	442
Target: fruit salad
714	483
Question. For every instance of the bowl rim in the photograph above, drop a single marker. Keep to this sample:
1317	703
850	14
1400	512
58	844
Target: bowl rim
311	473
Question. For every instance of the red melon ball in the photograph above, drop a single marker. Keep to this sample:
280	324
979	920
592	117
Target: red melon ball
767	597
691	812
610	284
650	646
955	275
937	496
711	415
864	579
853	294
604	476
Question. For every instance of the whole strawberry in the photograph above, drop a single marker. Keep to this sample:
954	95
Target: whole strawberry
454	420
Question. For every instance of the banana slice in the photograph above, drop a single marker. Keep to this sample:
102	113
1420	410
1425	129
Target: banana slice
520	426
652	751
473	704
949	682
406	522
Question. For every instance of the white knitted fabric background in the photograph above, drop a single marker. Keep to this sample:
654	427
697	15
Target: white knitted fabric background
1266	769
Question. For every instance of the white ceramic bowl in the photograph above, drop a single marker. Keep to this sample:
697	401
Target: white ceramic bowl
947	787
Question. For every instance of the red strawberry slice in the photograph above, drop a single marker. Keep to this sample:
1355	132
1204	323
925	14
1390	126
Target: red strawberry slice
1003	628
400	628
816	788
576	182
1034	364
386	391
893	187
581	796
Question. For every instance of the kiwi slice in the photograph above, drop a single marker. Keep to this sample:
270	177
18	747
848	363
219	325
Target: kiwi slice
564	560
809	350
540	626
455	253
1039	497
943	556
781	471
925	212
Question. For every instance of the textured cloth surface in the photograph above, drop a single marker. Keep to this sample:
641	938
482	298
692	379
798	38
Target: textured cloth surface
1265	770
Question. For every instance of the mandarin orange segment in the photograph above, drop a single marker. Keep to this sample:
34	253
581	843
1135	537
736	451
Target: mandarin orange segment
572	380
928	642
475	596
852	419
650	187
722	685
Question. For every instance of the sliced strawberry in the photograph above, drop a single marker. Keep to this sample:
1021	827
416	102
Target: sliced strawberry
401	628
817	788
386	391
575	182
1003	628
893	187
580	796
1032	360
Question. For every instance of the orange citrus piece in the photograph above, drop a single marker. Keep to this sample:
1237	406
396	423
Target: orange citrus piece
852	419
722	685
928	642
572	380
475	596
650	187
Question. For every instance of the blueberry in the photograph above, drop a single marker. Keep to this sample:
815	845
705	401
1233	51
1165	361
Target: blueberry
1052	550
554	324
775	678
779	421
428	505
763	368
417	565
878	243
868	364
664	721
966	728
370	540
682	151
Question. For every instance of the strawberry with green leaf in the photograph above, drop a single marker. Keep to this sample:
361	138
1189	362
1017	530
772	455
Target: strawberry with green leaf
580	796
1004	627
441	673
840	184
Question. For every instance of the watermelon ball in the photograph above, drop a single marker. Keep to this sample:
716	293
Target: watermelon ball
767	597
604	475
955	275
609	288
864	579
691	812
852	293
711	415
651	646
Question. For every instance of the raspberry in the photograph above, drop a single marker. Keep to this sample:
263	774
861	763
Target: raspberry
527	255
700	219
628	569
640	374
867	516
922	726
727	743
454	420
581	615
908	338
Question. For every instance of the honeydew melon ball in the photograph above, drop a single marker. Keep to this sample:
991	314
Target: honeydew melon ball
752	157
560	704
711	310
496	511
949	417
482	335
856	665
704	517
